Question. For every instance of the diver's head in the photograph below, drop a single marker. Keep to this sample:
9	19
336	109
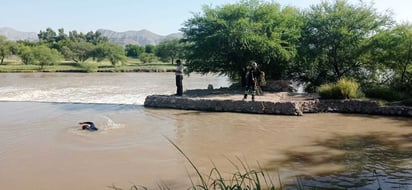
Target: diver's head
84	127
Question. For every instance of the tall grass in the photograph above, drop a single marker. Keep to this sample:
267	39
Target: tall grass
343	89
244	178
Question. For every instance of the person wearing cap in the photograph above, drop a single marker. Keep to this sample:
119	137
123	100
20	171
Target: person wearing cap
252	78
179	78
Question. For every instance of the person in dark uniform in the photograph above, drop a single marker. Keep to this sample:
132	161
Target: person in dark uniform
88	125
252	78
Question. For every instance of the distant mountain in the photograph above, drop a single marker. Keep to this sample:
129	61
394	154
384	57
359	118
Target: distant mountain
15	35
141	37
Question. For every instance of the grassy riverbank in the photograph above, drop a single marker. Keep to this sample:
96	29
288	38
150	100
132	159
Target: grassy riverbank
132	65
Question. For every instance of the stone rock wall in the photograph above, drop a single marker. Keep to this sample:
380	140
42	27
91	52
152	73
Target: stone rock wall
176	102
279	108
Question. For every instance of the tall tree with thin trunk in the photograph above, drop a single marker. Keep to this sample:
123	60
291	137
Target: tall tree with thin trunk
6	48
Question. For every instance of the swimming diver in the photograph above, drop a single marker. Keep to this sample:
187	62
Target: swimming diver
88	125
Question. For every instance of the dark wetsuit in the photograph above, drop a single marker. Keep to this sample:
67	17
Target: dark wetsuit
90	126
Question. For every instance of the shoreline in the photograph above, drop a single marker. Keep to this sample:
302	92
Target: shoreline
276	103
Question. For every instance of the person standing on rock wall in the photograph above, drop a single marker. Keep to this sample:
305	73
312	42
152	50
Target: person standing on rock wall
252	80
179	78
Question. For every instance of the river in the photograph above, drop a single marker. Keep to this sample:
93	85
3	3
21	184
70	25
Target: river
43	147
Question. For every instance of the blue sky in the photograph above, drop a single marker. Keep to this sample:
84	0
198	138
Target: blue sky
159	16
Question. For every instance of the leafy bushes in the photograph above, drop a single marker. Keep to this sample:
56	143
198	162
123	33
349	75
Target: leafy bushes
347	88
383	93
330	91
344	88
406	102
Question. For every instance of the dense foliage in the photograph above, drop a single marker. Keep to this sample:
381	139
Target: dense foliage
335	39
391	55
322	44
225	39
6	48
169	50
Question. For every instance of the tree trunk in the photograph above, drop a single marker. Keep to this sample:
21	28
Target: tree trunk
243	76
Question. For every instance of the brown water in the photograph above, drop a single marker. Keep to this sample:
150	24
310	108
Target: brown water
42	147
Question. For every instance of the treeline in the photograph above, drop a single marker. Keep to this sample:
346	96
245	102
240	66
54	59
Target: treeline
319	45
53	47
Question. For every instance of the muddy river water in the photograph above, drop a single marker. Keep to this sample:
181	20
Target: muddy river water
43	147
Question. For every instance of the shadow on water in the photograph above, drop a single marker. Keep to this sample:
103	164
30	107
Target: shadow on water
404	121
359	157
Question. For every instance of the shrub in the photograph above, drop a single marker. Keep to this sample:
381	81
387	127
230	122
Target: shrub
348	88
329	91
407	102
89	67
344	88
383	93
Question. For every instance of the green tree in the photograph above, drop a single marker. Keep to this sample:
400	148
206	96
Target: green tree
95	38
134	50
6	48
61	36
113	52
43	55
26	54
52	39
74	36
149	48
49	36
79	52
391	54
169	50
60	39
147	57
334	40
225	39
